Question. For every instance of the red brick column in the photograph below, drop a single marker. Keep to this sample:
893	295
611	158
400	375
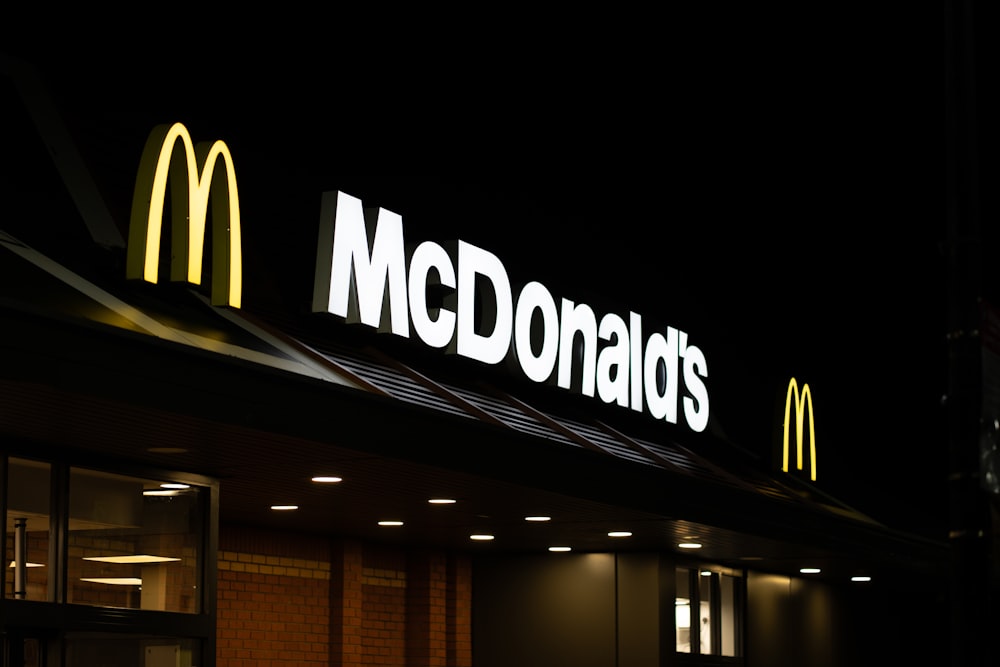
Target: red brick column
346	615
459	602
427	610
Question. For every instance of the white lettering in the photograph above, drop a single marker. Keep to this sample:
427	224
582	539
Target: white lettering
497	309
613	362
577	319
635	357
362	276
356	289
695	368
534	297
434	326
662	404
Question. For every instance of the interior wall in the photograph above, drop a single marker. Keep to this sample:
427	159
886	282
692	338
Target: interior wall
585	610
788	622
795	621
539	611
640	591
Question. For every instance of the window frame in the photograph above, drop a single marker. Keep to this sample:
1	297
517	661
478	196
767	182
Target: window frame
54	616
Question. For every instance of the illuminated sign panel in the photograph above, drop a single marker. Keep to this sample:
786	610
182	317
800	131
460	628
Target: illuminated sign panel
363	275
803	403
193	176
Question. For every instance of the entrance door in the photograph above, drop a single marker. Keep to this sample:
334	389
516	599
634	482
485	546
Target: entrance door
27	648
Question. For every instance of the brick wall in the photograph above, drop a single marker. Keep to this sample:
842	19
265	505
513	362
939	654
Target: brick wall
298	601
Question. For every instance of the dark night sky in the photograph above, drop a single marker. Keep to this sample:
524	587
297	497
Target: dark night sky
762	187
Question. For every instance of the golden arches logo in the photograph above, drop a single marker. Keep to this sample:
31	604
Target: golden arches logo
193	176
803	402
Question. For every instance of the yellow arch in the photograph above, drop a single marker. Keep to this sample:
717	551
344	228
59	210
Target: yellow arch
801	403
193	178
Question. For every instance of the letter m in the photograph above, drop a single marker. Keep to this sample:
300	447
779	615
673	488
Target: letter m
802	402
351	279
193	176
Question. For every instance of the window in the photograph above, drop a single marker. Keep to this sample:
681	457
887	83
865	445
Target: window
708	614
27	524
131	553
133	542
130	542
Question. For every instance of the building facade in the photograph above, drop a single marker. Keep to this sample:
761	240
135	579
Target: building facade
322	444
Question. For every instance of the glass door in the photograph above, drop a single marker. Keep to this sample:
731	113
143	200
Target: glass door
26	648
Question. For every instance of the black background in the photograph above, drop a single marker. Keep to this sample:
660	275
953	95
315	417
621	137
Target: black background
759	179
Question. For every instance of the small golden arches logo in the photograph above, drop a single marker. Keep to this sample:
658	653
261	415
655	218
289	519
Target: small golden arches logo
803	403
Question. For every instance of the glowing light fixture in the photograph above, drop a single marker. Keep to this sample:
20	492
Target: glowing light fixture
390	522
560	549
538	518
174	485
327	479
284	508
442	501
481	537
689	545
810	570
682	613
861	578
138	558
620	533
114	581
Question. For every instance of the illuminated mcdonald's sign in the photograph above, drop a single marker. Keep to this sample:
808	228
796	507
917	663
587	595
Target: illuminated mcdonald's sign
193	176
803	402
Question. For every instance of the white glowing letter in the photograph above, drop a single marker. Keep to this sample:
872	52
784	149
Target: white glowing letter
573	319
613	361
435	327
695	368
635	357
357	280
662	405
497	305
534	297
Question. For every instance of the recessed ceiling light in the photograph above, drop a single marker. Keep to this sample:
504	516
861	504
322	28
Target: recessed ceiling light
706	573
481	537
391	522
327	479
174	485
442	501
689	545
620	533
284	508
538	518
810	570
560	549
861	578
